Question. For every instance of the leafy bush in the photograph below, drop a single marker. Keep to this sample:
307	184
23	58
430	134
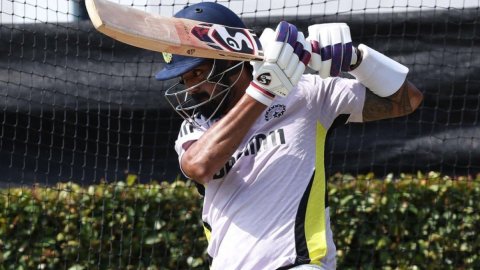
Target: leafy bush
114	226
415	222
423	222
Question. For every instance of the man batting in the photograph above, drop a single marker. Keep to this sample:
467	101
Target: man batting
254	135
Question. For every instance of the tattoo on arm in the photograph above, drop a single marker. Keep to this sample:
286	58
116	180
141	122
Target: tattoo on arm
376	108
403	99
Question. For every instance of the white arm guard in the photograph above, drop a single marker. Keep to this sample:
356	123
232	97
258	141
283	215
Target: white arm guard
379	73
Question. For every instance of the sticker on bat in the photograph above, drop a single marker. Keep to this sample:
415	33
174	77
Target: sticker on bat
227	38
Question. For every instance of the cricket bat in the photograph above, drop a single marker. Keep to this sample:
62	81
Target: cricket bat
173	35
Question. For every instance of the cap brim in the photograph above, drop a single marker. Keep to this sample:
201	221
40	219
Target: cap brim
171	71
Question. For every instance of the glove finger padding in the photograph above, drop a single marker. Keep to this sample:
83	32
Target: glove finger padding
347	48
268	35
298	49
286	55
316	60
288	47
337	50
332	50
304	57
321	50
272	50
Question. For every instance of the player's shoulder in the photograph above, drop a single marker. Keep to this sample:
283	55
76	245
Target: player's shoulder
313	87
309	82
309	79
314	81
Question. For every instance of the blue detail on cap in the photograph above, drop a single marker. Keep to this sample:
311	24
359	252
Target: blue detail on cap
209	12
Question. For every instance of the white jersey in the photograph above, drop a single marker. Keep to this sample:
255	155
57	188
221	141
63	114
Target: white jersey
266	209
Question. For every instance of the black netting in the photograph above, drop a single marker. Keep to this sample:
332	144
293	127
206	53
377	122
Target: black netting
78	106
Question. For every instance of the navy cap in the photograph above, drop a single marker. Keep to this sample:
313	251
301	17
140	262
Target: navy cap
209	12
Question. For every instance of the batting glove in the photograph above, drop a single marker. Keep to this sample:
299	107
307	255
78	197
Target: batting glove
332	49
286	56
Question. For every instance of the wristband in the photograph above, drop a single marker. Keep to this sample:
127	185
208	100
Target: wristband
259	94
379	73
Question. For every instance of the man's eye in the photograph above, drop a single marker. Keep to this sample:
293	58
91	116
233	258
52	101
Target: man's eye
197	73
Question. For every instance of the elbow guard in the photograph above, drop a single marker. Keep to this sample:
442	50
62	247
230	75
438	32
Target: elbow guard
379	73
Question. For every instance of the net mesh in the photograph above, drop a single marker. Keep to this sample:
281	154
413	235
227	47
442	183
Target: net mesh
78	106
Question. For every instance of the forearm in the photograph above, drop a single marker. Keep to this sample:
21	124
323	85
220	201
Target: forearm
286	56
406	99
209	154
402	102
389	94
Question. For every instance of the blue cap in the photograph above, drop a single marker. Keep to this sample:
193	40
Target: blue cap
209	12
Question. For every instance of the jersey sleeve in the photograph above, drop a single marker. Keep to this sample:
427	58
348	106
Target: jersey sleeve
187	135
335	96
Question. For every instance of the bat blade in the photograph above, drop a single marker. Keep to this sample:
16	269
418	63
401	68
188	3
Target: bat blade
173	35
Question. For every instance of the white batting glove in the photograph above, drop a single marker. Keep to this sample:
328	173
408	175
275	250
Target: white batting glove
332	49
286	56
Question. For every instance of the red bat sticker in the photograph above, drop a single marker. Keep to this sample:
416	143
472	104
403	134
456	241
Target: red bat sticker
227	38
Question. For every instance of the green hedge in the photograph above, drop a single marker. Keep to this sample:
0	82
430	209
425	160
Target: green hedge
414	222
115	226
422	222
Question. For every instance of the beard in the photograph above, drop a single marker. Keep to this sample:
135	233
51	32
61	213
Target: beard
213	108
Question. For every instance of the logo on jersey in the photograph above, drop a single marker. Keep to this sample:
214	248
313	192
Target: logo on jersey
265	78
275	111
258	143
